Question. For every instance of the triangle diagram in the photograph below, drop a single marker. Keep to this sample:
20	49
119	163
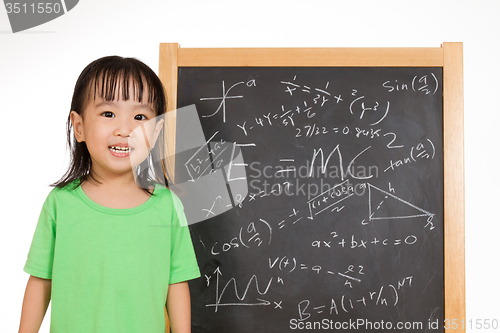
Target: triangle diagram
386	206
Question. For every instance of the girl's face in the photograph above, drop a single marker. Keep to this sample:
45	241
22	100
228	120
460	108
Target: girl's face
118	134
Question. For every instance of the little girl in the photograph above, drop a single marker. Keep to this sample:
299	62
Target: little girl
111	248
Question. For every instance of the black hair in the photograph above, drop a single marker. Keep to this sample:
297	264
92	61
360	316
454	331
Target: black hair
103	78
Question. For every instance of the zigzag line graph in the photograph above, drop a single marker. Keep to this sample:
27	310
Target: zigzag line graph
218	297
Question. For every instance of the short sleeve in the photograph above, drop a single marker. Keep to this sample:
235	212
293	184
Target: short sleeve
183	264
41	252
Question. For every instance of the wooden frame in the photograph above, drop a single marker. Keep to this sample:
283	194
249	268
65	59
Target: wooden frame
449	56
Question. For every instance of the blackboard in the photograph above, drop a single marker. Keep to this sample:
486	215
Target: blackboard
344	216
343	224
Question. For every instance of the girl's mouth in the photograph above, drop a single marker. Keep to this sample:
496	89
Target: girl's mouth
120	151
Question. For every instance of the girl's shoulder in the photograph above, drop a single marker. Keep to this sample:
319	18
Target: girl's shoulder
164	193
170	200
64	194
60	197
66	189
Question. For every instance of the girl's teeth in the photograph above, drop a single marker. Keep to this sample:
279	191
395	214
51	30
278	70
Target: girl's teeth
120	149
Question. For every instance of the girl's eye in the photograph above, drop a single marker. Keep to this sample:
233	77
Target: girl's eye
108	114
140	117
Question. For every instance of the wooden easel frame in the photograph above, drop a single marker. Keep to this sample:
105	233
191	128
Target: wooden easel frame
449	56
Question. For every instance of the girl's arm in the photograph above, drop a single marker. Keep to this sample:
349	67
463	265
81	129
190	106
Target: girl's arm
35	304
179	307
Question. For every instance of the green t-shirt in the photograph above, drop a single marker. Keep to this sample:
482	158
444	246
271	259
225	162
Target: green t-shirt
110	268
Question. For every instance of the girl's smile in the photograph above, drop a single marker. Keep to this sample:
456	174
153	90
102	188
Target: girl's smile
120	151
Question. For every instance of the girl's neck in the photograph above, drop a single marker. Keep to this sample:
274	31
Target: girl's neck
118	192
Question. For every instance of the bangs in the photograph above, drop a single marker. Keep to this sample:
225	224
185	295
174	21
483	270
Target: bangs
122	85
115	78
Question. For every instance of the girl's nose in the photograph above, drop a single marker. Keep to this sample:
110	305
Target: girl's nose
124	129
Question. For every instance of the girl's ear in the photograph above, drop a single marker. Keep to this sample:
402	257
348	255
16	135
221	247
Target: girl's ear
158	128
77	122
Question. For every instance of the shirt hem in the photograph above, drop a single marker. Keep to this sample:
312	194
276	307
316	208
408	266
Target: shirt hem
37	272
185	276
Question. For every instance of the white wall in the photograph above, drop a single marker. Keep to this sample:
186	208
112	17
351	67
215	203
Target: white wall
38	69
